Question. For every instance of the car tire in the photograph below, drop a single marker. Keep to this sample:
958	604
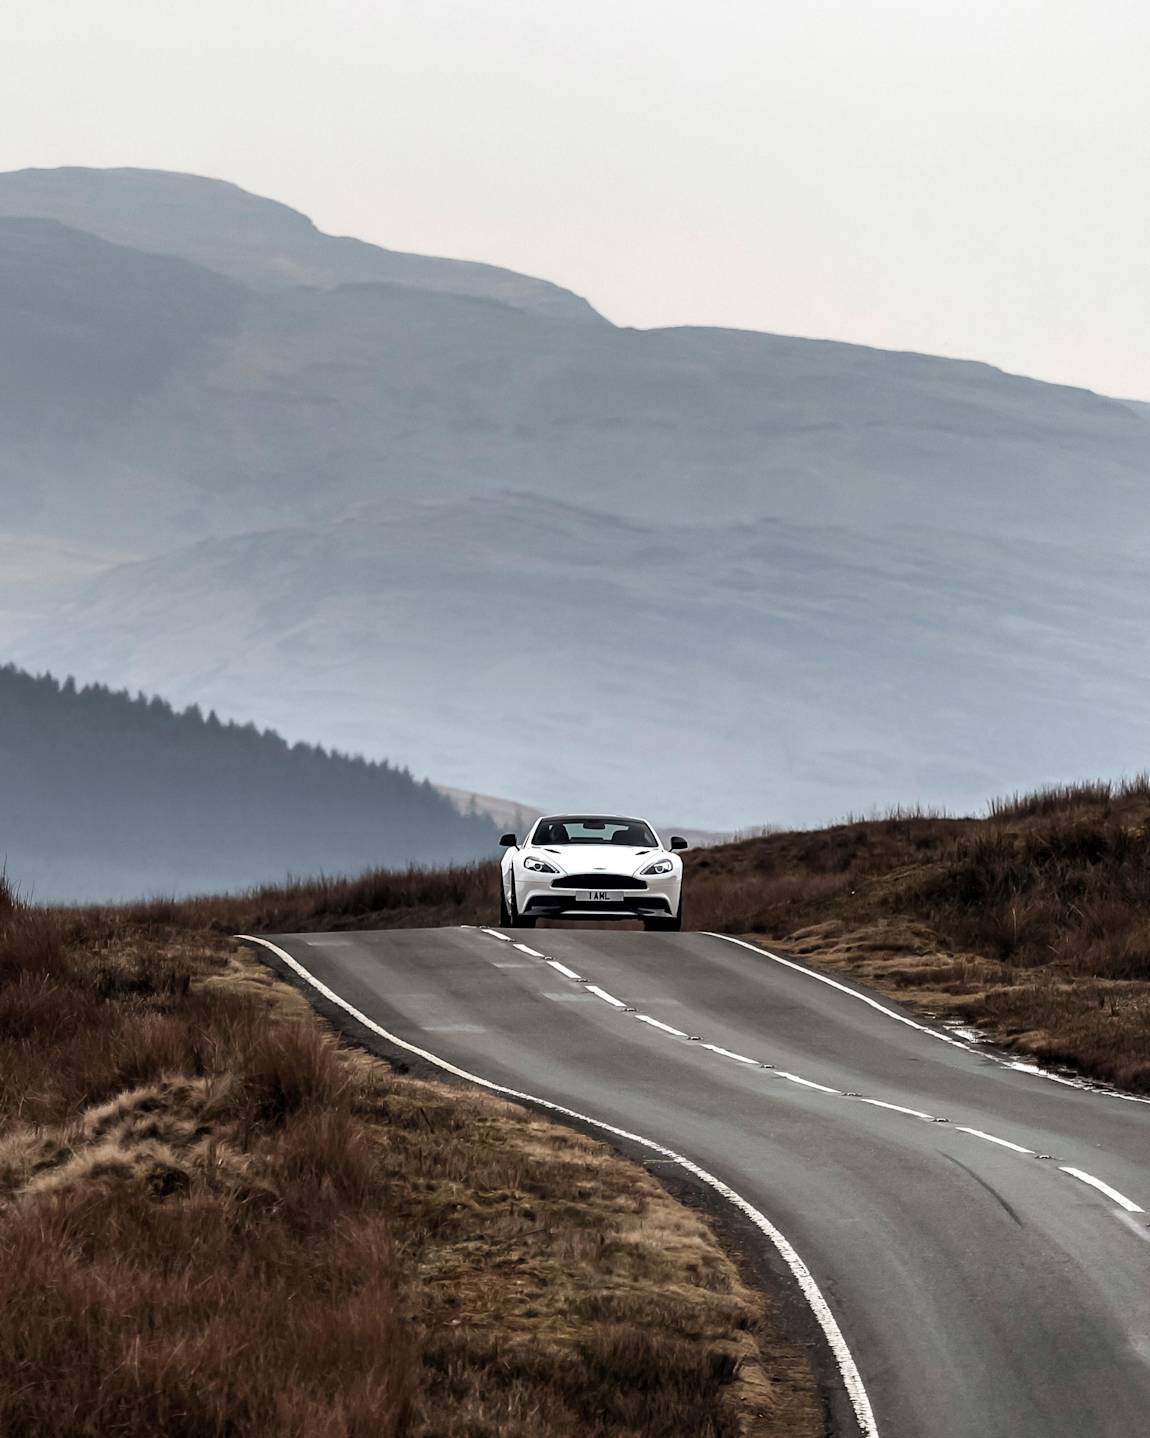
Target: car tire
671	925
504	911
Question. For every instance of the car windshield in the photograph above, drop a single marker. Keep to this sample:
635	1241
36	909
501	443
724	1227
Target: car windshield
594	829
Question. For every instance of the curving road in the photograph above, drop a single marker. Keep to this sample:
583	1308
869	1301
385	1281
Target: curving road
980	1234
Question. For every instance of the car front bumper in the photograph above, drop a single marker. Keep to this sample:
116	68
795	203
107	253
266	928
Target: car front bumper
535	898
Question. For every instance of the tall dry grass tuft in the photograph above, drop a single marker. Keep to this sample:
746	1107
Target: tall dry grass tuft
1064	798
122	1313
1069	889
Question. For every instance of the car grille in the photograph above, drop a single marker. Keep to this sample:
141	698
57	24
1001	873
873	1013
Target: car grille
598	881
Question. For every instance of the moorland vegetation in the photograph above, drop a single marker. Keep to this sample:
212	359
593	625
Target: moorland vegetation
218	1221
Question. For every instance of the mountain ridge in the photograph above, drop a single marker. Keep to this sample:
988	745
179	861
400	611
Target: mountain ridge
286	248
494	540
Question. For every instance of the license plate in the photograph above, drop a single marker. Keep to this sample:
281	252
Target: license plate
601	896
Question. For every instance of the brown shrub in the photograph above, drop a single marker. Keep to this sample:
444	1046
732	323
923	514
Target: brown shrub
121	1314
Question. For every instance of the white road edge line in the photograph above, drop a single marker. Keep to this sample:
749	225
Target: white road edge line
993	1138
848	1368
845	989
563	969
1014	1064
605	996
1119	1198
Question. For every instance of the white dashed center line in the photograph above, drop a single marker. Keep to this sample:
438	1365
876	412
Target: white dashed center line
899	1108
1112	1193
1119	1198
605	996
805	1083
991	1138
727	1054
659	1024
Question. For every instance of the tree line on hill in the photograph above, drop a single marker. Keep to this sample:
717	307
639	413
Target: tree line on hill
105	796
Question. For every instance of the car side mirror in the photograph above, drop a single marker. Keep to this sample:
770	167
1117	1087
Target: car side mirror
678	843
509	841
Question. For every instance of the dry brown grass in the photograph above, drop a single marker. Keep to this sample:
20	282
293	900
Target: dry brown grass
216	1220
381	898
1033	923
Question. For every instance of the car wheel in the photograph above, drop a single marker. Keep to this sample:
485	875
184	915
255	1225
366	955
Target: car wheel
670	925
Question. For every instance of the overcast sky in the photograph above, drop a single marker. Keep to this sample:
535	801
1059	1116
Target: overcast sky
964	177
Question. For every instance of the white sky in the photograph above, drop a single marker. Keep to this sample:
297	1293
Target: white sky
964	177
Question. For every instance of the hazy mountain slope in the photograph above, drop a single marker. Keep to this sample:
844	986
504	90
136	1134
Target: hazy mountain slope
103	796
89	333
37	575
309	404
775	669
510	545
93	325
382	391
258	241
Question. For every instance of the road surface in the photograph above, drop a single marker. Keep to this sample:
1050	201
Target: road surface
979	1234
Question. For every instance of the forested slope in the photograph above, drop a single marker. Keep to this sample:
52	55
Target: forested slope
104	796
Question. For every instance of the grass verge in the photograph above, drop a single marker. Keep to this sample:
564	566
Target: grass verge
1032	923
216	1219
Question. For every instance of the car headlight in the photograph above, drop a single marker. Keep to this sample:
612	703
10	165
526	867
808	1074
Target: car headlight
539	866
660	866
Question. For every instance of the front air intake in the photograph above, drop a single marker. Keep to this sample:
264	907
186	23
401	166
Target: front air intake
598	881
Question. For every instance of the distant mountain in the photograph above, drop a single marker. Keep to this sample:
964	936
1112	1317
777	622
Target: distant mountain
151	400
103	796
257	241
414	509
768	667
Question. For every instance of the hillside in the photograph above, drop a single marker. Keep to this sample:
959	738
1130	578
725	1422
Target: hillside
338	476
251	239
826	669
105	796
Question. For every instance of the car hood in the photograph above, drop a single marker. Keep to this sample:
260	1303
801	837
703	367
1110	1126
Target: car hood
593	859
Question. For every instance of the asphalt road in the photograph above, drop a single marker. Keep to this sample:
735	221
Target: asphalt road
985	1284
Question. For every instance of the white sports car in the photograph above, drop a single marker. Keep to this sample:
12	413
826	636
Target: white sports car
591	866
